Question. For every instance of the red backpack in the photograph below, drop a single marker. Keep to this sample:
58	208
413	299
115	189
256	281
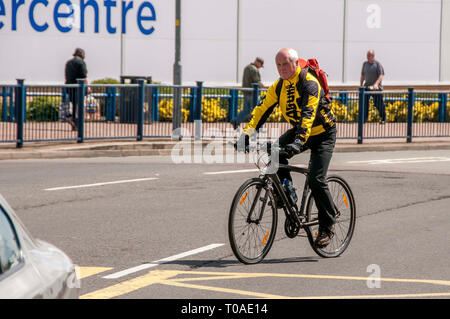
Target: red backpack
320	74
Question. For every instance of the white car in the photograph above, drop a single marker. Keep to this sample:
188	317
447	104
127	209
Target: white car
29	267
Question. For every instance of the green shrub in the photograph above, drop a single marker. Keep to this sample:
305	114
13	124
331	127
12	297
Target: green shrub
43	109
106	81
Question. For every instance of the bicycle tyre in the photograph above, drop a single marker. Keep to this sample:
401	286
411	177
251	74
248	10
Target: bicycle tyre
251	240
345	221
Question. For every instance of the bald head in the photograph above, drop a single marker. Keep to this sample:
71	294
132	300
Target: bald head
370	56
286	61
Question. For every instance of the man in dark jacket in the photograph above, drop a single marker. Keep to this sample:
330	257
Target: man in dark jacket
75	69
251	75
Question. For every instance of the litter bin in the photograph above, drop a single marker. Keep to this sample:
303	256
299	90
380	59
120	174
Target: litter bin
128	105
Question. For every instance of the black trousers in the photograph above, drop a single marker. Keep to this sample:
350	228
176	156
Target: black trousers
322	147
73	97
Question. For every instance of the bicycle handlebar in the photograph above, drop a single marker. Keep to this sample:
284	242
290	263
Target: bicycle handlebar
268	148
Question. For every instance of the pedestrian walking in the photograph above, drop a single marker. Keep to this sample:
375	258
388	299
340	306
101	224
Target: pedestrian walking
251	75
372	74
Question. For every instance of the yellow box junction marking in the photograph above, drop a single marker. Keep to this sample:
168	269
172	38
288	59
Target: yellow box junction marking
84	272
167	277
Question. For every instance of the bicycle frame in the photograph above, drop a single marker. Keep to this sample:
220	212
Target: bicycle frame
251	243
291	212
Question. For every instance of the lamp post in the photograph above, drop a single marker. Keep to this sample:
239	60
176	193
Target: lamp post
176	119
177	64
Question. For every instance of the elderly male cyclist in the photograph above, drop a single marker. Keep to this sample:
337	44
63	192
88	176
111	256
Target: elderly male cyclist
302	103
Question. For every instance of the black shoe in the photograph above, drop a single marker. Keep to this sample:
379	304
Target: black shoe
324	237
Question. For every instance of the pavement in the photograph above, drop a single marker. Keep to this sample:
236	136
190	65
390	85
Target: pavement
163	147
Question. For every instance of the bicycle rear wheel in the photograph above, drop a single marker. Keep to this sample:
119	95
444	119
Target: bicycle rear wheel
344	203
252	221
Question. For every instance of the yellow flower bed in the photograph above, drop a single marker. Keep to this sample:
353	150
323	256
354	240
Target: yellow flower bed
212	111
166	110
340	110
395	112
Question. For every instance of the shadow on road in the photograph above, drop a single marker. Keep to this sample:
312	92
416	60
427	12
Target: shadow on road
222	263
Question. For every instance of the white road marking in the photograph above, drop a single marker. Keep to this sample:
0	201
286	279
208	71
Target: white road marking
101	184
403	160
232	172
161	261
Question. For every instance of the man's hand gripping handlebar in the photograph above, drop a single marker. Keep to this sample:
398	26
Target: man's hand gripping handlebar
290	150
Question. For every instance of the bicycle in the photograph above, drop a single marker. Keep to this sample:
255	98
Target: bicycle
253	214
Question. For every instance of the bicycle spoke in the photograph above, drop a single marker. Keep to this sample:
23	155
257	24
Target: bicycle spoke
252	223
343	228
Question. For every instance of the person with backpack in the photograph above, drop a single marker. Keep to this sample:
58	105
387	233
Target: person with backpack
304	104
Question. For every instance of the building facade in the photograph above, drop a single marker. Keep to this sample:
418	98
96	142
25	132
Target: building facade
411	38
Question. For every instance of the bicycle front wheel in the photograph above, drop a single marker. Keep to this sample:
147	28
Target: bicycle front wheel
344	204
252	221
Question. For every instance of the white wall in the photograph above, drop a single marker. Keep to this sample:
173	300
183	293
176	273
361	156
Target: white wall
268	26
152	55
219	37
405	38
209	40
445	44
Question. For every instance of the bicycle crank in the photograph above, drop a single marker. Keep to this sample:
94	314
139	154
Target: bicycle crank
291	229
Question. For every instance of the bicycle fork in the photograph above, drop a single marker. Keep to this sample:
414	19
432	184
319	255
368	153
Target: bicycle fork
255	201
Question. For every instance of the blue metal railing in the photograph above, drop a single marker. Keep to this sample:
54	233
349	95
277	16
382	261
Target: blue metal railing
127	111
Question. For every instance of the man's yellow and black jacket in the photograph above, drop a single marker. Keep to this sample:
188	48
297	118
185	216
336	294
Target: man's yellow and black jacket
302	103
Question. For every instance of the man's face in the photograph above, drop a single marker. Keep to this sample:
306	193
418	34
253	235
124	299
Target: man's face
286	67
370	57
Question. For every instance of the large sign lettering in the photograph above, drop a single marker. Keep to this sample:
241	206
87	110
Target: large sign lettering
71	14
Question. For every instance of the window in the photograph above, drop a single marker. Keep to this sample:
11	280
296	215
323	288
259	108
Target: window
9	246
